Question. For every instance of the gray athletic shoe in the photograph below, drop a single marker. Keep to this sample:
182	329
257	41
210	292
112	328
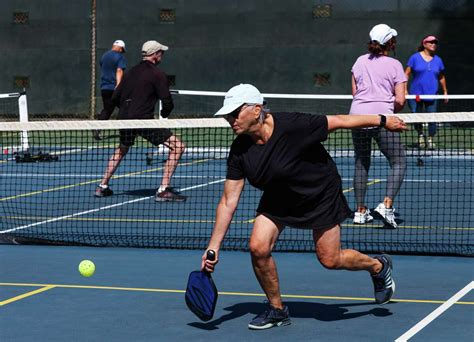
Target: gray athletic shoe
271	318
169	195
384	285
103	192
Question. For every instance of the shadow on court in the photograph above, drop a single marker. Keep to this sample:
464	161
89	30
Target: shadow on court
318	311
140	192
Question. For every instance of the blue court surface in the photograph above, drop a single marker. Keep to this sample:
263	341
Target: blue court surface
55	201
138	295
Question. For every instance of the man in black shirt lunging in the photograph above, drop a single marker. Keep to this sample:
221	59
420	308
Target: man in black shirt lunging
137	94
282	154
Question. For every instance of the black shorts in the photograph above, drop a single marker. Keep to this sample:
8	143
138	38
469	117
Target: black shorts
156	136
321	211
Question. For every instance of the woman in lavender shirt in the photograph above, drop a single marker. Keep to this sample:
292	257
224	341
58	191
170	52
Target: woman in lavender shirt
378	87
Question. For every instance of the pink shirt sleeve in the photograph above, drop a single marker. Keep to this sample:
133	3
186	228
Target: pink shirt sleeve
399	76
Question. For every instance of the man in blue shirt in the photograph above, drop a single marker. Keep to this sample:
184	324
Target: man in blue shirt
112	65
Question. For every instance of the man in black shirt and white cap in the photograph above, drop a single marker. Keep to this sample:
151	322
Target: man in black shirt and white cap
282	154
141	87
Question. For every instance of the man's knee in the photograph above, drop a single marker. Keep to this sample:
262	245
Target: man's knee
330	261
177	146
181	147
259	249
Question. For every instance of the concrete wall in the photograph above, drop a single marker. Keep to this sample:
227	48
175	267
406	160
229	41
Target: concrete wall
276	45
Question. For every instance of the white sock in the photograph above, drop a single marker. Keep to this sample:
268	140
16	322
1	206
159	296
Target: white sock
161	188
103	186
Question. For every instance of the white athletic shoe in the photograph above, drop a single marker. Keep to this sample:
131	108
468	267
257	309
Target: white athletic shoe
362	218
431	144
388	215
421	141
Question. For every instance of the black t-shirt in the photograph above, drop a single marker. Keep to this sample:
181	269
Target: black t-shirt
141	87
301	185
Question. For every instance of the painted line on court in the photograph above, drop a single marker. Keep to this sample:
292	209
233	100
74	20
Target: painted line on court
251	220
241	294
75	175
55	219
408	180
375	181
177	175
94	181
114	219
28	294
432	316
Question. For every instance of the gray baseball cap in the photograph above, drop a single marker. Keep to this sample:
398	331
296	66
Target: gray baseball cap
152	46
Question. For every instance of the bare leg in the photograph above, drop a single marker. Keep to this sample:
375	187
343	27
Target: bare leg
264	235
114	163
176	149
331	256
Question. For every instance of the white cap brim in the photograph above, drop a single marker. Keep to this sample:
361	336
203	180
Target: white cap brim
228	109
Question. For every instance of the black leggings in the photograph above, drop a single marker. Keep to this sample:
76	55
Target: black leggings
391	146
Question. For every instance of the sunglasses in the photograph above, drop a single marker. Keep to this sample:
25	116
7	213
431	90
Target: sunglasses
432	42
236	112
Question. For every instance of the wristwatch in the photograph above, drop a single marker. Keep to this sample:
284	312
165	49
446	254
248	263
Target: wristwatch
383	120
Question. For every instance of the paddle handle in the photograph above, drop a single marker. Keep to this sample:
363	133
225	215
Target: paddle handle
211	255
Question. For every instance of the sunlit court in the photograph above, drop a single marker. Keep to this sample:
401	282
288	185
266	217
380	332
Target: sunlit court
136	156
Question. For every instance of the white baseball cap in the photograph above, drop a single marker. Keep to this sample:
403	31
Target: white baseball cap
152	46
238	96
382	33
120	43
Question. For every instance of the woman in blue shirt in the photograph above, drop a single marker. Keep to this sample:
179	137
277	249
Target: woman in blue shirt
428	73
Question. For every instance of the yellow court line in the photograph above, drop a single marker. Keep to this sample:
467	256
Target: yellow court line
93	181
113	219
371	225
243	294
122	176
249	221
28	294
375	181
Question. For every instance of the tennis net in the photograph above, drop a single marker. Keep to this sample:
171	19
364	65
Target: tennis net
47	190
202	104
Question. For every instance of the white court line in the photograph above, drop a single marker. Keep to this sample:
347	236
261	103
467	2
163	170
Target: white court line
432	316
100	209
73	175
416	180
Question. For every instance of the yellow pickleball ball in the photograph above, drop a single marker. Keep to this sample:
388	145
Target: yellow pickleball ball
86	268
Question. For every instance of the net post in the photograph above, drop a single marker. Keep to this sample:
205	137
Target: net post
23	107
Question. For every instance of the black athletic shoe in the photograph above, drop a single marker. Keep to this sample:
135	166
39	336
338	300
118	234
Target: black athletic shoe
271	318
169	195
103	192
384	285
